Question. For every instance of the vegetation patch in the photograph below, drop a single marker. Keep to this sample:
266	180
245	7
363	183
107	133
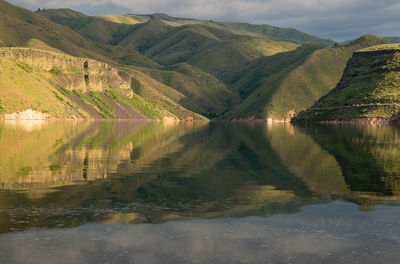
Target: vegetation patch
76	70
60	98
83	97
24	171
24	66
100	99
1	107
65	90
54	167
55	71
138	104
136	86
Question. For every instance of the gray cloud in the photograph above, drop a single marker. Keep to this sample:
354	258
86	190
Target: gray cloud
339	19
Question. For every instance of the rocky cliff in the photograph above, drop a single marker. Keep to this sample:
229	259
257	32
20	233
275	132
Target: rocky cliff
62	86
73	72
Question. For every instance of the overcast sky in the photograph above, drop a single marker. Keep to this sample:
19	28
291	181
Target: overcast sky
336	19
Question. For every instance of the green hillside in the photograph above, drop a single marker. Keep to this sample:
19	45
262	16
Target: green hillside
368	90
189	68
57	85
271	32
204	93
40	33
18	26
282	85
169	40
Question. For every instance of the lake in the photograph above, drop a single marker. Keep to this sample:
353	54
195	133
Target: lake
153	192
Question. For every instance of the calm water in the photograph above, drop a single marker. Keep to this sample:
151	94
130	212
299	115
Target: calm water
148	192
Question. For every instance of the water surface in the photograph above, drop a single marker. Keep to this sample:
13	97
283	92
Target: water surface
151	192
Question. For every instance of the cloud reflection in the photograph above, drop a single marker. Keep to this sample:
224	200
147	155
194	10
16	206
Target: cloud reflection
333	233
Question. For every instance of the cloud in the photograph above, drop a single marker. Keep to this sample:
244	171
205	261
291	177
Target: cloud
339	19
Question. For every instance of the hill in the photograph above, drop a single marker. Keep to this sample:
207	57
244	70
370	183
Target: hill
41	33
271	32
167	40
268	31
204	94
280	86
186	67
368	90
18	26
61	86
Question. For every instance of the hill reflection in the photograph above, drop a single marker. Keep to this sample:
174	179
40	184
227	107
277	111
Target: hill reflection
64	174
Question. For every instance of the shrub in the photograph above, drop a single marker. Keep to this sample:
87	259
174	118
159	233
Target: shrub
25	67
55	71
136	86
61	99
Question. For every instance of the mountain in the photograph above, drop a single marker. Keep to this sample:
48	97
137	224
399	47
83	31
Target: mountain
368	90
40	33
273	33
18	26
183	68
280	86
204	94
167	40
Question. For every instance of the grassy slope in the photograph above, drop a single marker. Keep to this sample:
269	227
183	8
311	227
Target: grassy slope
210	49
290	82
369	88
122	19
271	32
209	46
18	26
196	90
97	28
21	27
204	93
167	42
164	96
24	87
20	90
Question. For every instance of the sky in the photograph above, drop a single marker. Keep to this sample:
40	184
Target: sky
338	19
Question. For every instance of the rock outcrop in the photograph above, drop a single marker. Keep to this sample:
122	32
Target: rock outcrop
73	72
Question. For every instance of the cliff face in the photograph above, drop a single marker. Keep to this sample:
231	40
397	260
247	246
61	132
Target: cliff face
56	85
368	91
73	72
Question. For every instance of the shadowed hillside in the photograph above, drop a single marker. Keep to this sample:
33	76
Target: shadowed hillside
368	90
282	85
169	40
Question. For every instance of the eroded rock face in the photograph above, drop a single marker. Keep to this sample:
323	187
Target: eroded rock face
72	72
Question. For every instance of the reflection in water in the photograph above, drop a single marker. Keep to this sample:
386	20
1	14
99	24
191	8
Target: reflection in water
67	174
